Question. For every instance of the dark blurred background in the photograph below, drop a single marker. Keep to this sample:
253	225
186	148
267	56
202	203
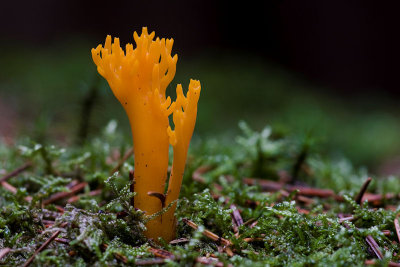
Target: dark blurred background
325	68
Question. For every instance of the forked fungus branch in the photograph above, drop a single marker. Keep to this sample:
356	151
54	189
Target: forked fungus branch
138	78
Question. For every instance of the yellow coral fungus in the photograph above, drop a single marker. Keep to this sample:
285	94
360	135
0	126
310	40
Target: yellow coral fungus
139	78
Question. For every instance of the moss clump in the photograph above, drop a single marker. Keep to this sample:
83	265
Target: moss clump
98	226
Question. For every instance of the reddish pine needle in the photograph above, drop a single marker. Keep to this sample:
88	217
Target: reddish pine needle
363	189
15	172
397	227
42	247
374	246
4	252
61	195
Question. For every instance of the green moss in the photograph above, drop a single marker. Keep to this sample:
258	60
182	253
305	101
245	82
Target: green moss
103	229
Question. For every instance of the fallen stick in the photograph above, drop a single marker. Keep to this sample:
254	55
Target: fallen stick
162	253
273	186
363	189
208	233
42	247
210	261
374	246
150	262
386	232
9	187
61	195
117	255
91	193
4	252
376	199
15	172
253	239
390	263
13	190
122	160
178	241
343	219
62	240
236	218
198	173
397	227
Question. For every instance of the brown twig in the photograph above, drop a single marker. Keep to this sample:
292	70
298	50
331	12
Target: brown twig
179	240
4	252
15	172
390	263
250	221
8	187
91	193
236	218
253	239
397	227
374	246
43	246
62	241
120	257
272	186
60	209
305	200
386	232
213	237
376	199
266	185
122	160
48	221
363	189
198	173
208	233
162	253
72	184
61	195
210	261
228	251
117	255
303	211
313	192
343	219
13	190
150	262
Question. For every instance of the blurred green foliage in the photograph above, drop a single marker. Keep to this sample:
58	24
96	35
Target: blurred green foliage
47	88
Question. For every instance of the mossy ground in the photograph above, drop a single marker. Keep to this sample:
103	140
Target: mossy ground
71	199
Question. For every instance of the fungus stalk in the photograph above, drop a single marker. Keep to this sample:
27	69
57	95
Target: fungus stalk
139	78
